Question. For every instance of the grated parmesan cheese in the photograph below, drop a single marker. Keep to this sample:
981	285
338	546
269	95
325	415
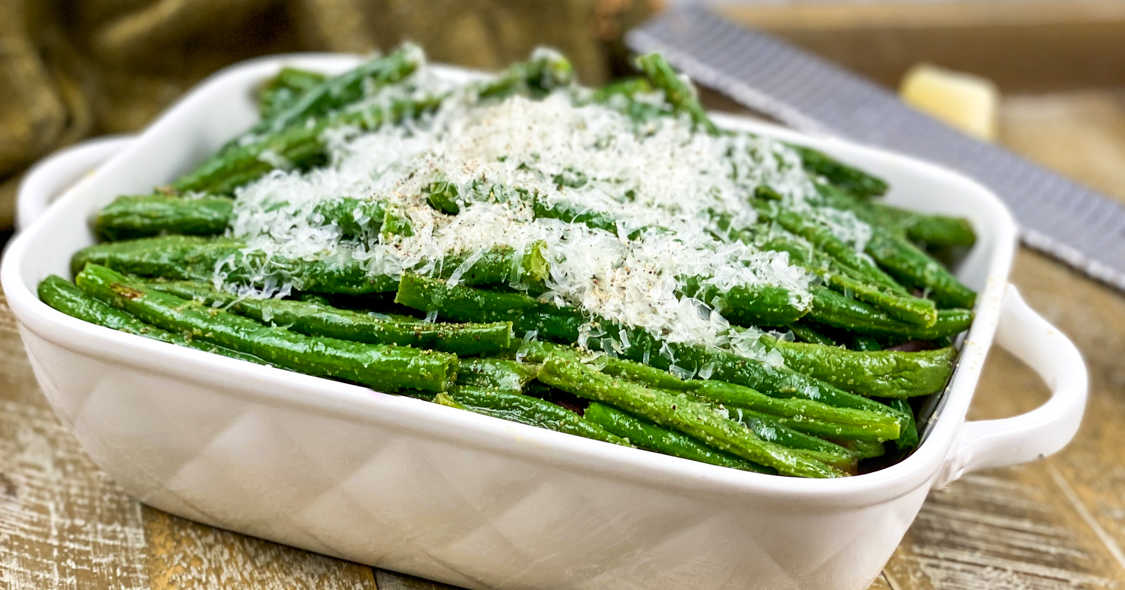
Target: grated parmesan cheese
662	184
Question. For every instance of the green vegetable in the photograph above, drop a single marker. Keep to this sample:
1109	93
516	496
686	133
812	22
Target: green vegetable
562	325
917	269
770	428
807	333
533	411
458	303
66	297
653	437
194	258
910	437
442	196
131	217
866	449
848	178
823	419
880	373
677	91
864	424
823	239
320	319
339	91
895	306
149	215
283	89
290	147
539	75
833	309
693	418
493	373
383	367
748	305
932	230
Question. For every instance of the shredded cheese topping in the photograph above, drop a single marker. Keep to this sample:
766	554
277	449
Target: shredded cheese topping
664	185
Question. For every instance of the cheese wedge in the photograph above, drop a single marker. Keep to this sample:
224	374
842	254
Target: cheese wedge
962	100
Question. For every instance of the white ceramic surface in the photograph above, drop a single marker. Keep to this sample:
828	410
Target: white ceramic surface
471	500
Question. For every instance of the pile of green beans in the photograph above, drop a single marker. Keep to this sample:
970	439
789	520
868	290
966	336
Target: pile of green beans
827	387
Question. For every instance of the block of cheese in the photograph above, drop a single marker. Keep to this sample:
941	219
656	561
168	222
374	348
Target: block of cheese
962	100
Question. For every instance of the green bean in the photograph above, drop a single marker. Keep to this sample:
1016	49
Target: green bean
867	424
917	269
458	303
66	297
910	436
563	325
933	230
653	437
194	258
852	281
848	423
769	428
810	334
620	95
823	239
338	91
679	93
539	75
320	319
442	196
693	418
131	217
532	411
383	367
838	311
865	449
848	178
880	373
296	146
896	306
280	91
149	215
494	373
937	230
748	305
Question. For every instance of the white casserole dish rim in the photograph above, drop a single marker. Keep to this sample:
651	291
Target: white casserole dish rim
940	456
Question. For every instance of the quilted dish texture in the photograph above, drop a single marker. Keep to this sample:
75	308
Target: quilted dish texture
348	487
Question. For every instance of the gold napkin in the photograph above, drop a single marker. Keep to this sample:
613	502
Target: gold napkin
74	68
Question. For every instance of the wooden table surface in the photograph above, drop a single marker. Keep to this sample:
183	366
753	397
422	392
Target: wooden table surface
1055	523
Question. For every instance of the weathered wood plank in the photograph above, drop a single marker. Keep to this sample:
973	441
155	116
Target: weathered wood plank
1083	135
186	554
63	523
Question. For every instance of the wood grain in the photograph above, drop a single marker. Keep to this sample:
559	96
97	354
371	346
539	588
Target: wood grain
63	523
185	554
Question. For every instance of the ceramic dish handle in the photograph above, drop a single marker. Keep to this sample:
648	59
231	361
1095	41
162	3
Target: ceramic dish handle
57	172
1044	430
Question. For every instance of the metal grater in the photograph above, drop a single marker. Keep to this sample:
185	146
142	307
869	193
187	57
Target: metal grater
1072	223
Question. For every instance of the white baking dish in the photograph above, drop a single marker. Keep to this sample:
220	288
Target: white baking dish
466	499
